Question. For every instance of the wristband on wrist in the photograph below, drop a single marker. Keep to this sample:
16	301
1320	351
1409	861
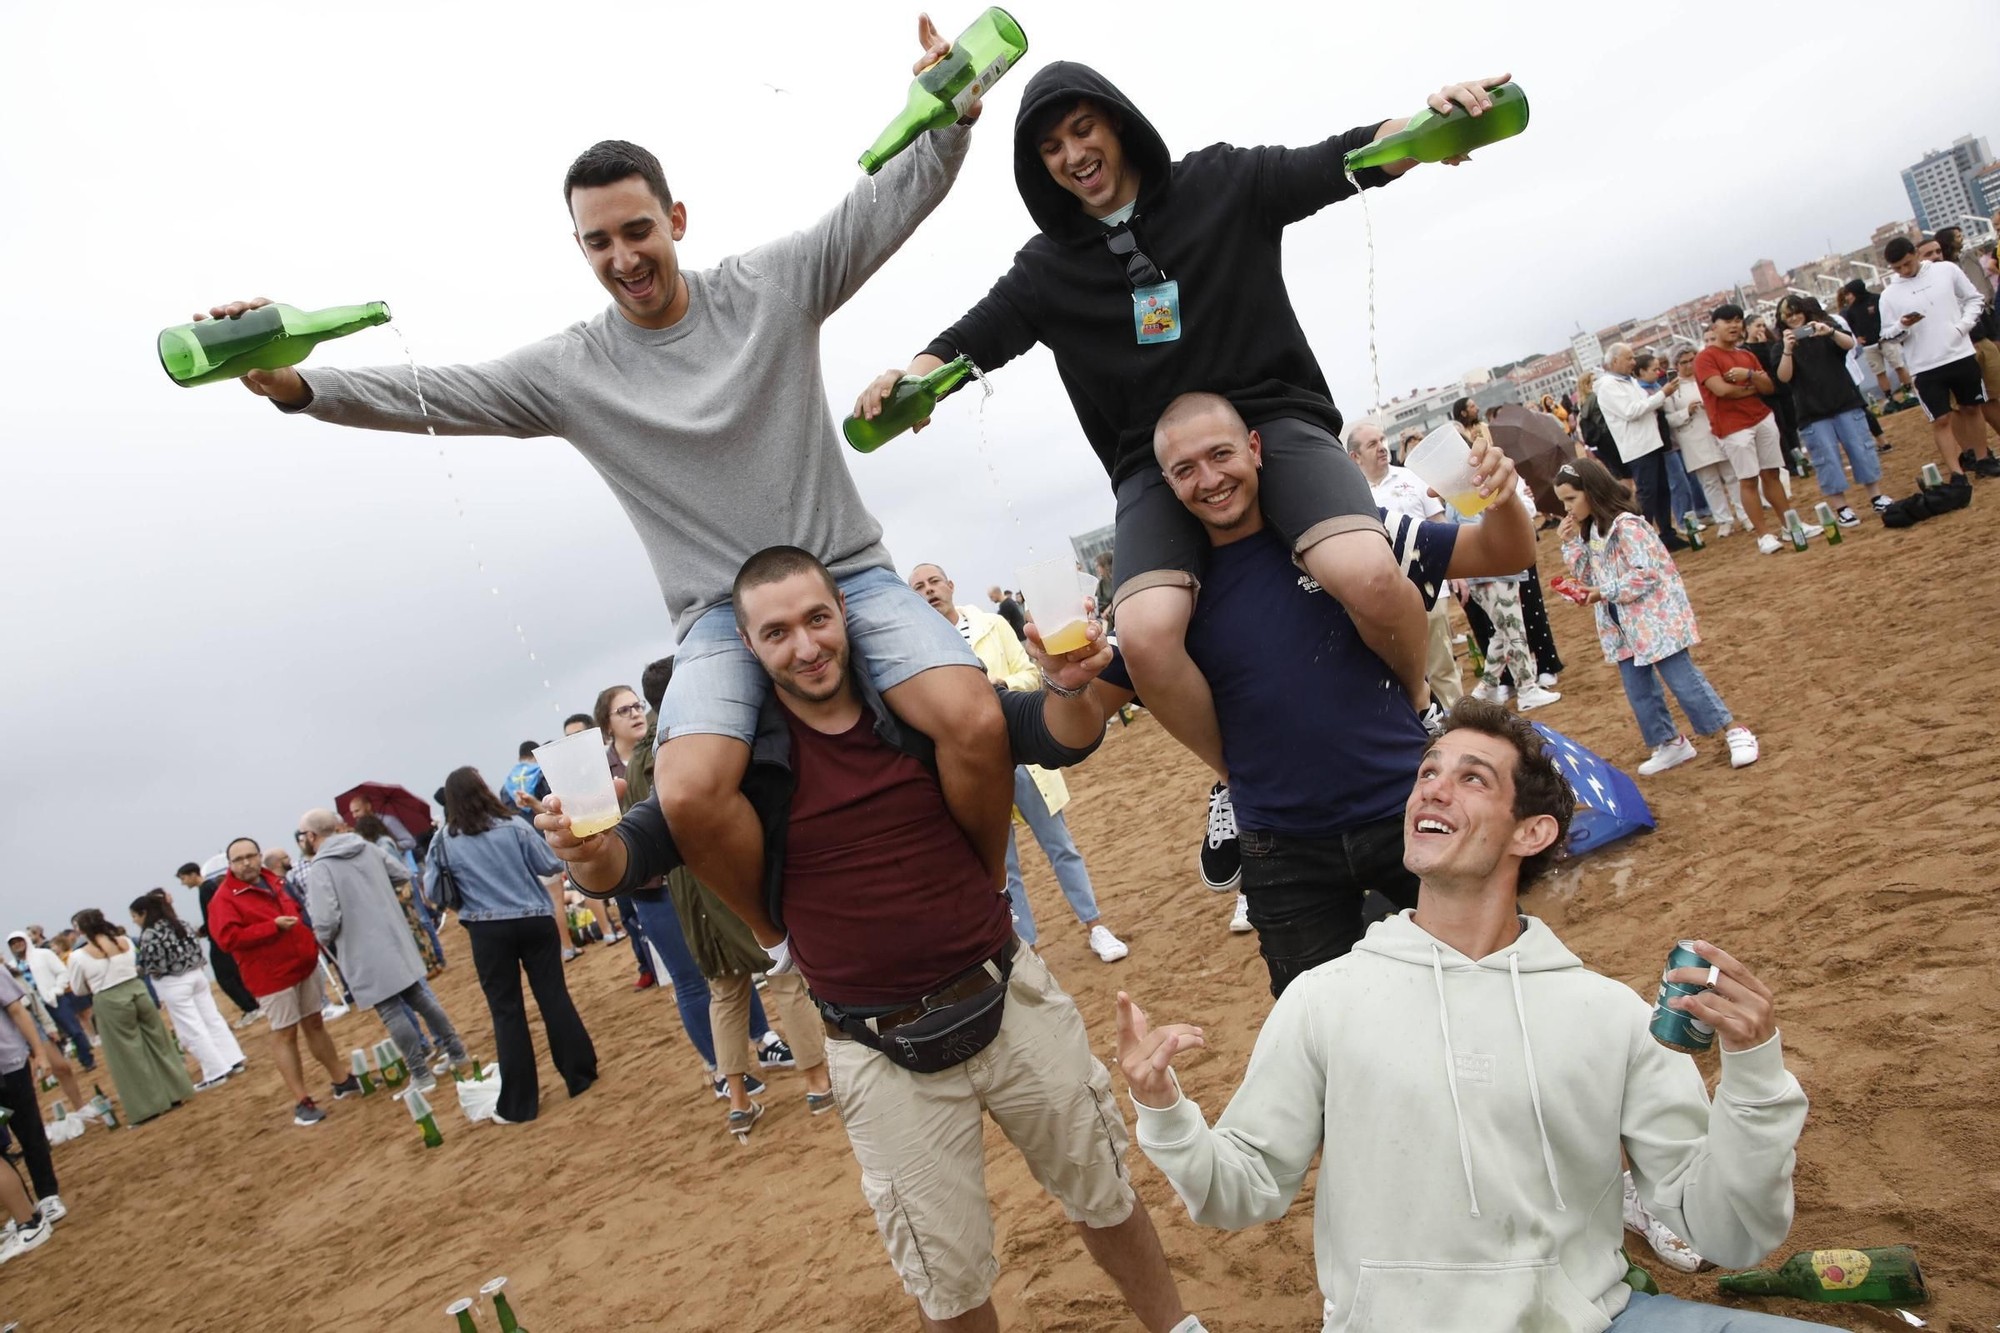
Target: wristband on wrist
1058	690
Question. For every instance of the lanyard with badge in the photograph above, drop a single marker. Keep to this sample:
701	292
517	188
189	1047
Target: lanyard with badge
1156	298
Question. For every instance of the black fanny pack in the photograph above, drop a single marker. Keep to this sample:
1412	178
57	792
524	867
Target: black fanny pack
945	1028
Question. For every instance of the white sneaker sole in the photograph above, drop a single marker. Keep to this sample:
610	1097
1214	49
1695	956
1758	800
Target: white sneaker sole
1111	955
1646	770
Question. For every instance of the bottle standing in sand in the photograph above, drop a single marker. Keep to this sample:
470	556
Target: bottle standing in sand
1823	515
420	1111
500	1306
1430	137
461	1309
1884	1276
267	338
102	1105
941	94
1693	533
912	400
357	1064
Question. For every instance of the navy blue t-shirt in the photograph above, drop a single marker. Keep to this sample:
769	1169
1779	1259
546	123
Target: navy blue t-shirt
1318	735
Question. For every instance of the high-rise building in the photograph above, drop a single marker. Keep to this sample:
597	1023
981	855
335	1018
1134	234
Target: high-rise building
1940	186
1589	353
1089	545
1985	186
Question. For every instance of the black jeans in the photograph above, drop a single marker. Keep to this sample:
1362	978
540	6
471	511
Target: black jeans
1649	478
231	980
1307	895
17	1094
501	951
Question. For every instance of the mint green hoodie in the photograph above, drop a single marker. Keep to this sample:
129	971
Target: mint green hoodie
1472	1113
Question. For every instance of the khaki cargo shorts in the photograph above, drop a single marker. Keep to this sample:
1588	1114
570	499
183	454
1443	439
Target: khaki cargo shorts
289	1006
921	1143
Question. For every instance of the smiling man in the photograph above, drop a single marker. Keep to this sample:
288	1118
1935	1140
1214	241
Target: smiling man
652	391
1149	277
1473	1086
935	1017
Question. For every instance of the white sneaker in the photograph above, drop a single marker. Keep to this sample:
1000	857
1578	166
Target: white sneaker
1240	923
1534	696
1492	694
1671	1249
52	1208
21	1239
1676	751
1743	750
1722	530
1106	945
1769	544
1547	680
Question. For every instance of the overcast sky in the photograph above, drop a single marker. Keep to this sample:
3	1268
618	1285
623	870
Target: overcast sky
219	617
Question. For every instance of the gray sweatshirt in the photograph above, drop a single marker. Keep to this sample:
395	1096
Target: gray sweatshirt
714	434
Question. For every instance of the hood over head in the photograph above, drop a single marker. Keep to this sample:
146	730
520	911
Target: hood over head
22	936
1855	288
1055	210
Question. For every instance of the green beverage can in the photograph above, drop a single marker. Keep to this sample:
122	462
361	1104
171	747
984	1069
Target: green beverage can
1671	1027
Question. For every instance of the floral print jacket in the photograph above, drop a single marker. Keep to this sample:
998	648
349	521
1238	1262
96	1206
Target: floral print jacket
1645	615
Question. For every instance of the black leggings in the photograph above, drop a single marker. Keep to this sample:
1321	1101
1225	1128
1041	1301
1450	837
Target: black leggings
501	952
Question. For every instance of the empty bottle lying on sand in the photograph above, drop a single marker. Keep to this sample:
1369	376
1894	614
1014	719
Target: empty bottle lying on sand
1430	137
1888	1276
912	400
267	338
941	94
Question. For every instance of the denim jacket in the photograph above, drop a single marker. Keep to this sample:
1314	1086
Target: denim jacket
500	871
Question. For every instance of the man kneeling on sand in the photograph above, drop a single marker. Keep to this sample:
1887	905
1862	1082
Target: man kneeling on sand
1464	1198
935	1017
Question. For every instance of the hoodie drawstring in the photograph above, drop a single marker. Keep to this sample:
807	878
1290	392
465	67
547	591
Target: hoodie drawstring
1451	1080
1534	1088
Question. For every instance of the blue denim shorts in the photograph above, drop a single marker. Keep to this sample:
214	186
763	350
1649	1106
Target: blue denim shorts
718	687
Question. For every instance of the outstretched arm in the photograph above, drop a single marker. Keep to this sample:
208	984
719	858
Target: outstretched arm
514	395
822	267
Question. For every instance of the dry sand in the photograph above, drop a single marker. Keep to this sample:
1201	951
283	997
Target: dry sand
1854	868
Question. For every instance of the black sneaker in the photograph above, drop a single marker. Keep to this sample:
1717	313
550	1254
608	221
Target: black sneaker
307	1113
347	1087
751	1084
1966	459
1221	862
776	1055
1988	466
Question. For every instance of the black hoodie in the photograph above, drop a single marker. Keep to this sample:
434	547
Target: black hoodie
1214	222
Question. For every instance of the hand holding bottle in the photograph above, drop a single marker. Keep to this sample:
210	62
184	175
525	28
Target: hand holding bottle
869	405
285	387
936	48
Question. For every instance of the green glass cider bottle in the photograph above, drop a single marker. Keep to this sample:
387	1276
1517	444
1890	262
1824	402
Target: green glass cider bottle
940	95
1430	137
913	399
266	338
1884	1276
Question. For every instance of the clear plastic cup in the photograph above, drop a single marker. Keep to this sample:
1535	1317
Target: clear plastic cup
1442	460
580	777
1056	595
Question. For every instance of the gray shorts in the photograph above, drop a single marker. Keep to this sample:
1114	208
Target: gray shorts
1309	489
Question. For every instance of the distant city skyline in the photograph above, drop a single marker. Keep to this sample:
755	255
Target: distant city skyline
1942	187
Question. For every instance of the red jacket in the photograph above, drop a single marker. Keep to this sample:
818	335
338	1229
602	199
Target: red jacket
243	919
